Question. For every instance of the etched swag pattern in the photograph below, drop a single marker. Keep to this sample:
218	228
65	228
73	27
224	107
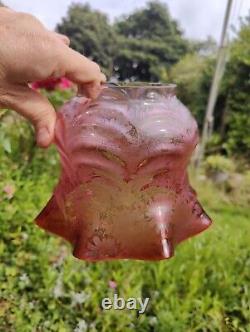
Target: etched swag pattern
123	190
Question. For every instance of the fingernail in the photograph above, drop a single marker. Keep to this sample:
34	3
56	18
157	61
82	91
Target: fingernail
43	137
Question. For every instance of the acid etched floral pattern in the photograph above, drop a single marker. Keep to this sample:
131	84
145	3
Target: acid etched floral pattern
124	190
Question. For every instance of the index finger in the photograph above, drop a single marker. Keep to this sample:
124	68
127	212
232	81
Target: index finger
78	68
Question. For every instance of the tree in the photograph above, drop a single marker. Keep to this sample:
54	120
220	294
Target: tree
238	85
188	74
193	74
207	47
150	41
90	34
141	46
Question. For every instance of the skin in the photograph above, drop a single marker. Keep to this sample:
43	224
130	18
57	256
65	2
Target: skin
28	53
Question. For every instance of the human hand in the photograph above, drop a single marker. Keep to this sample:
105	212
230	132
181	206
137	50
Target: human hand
29	52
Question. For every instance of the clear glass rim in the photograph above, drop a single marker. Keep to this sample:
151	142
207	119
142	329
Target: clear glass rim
143	85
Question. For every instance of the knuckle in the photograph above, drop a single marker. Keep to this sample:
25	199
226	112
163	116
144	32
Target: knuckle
52	43
4	100
64	37
51	48
8	97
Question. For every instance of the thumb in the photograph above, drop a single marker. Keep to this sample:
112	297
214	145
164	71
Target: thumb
34	107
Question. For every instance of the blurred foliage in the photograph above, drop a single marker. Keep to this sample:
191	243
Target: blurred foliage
141	46
43	288
219	163
58	97
17	143
237	85
188	74
149	42
206	47
194	73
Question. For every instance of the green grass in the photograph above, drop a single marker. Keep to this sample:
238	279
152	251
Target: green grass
203	288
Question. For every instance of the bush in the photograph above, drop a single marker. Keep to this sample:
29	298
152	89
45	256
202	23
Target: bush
218	163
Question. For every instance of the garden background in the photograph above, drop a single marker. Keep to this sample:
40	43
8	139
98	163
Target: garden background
205	287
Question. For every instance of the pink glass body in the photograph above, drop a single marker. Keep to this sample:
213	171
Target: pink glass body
124	190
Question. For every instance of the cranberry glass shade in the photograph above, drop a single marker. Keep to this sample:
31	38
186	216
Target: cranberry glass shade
124	190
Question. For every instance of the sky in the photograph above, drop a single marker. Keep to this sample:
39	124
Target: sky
198	18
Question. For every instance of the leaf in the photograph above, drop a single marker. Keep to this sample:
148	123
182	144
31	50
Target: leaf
6	145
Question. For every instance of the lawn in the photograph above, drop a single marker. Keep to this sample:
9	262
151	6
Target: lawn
205	287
